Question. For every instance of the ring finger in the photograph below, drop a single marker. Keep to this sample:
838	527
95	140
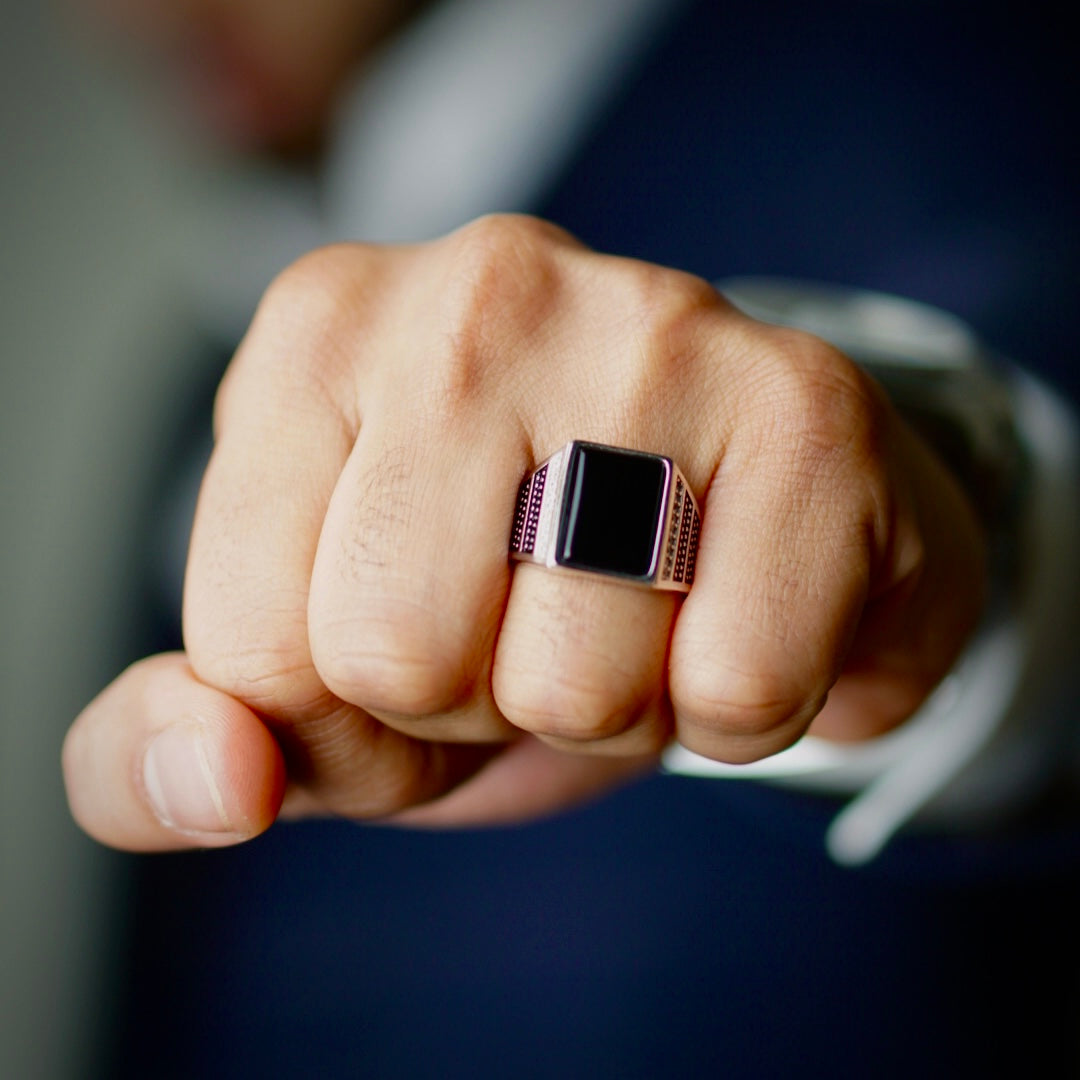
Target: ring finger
581	658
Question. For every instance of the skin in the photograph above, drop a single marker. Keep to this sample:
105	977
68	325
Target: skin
357	641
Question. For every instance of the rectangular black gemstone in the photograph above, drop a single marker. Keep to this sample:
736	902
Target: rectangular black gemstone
611	511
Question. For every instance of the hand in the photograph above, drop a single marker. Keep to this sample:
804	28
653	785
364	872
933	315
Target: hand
358	642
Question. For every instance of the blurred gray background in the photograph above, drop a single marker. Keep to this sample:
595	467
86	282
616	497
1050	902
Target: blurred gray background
92	209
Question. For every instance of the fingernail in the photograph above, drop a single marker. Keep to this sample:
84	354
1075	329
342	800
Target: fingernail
180	782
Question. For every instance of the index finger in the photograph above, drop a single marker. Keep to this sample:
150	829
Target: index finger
287	421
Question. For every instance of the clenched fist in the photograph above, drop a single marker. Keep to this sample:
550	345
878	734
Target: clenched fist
357	640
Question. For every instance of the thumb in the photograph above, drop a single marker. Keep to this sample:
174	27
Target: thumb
160	762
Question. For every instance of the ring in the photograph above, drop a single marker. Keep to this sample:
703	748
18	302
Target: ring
604	510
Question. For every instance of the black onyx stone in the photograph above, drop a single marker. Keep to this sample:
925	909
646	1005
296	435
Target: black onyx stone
611	511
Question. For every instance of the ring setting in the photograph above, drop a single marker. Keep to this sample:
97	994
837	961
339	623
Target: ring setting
597	509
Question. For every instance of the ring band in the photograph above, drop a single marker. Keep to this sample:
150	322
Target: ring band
603	510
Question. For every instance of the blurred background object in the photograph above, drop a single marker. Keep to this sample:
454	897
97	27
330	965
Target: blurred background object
88	205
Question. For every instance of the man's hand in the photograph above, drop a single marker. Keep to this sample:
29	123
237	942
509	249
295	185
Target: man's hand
357	640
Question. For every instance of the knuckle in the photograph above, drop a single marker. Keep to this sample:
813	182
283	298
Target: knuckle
745	707
819	402
669	306
501	256
498	239
389	665
322	282
260	660
569	706
502	282
665	341
303	335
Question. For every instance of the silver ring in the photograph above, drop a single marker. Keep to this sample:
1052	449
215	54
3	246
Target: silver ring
598	509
